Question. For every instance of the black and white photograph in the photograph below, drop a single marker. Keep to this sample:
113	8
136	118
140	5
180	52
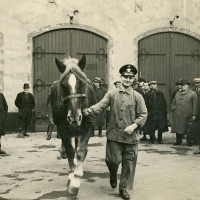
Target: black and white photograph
99	99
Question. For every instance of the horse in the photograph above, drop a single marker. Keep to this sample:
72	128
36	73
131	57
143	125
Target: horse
69	96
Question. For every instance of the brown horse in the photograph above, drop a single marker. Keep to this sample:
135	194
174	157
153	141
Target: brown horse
69	96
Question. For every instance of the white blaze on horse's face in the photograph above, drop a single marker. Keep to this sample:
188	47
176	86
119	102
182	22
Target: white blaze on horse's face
74	115
72	82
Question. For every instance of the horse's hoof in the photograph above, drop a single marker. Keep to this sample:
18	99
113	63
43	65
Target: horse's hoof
72	191
48	137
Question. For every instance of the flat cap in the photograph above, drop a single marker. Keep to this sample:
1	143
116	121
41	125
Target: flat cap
128	70
153	82
178	82
196	79
116	82
97	80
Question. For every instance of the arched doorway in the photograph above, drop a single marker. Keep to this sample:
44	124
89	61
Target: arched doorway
60	43
167	57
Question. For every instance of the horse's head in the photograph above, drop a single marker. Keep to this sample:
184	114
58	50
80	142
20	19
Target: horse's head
72	87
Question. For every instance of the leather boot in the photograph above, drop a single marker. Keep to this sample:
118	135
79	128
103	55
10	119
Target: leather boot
49	131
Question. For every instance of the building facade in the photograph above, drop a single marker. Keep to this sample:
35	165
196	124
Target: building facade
110	33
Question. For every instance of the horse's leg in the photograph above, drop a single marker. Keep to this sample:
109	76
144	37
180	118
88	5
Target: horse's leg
81	153
70	152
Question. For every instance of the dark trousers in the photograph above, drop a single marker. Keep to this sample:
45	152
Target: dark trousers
116	153
153	128
24	123
179	138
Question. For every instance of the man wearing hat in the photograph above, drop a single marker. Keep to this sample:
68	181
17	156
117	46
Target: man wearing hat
139	89
25	103
184	109
117	84
157	113
3	114
128	114
178	84
197	131
100	92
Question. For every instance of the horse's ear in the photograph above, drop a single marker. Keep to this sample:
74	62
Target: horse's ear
61	67
82	62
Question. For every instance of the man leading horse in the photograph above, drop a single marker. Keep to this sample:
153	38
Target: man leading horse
128	114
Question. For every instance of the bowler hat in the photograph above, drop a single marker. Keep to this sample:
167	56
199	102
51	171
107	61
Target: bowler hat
153	82
97	80
178	82
184	81
26	86
128	70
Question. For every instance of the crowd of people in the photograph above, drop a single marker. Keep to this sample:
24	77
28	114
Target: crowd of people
185	110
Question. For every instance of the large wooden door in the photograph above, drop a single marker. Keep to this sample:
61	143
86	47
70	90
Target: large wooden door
167	57
59	44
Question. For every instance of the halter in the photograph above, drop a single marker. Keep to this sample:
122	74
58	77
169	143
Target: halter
74	96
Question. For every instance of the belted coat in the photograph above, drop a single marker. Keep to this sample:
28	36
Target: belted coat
184	106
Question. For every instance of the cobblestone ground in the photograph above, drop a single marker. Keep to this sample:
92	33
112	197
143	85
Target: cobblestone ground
32	169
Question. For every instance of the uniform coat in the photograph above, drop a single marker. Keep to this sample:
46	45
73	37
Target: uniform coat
100	93
25	106
184	106
3	113
126	107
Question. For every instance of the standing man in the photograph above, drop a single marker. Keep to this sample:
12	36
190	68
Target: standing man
3	114
157	113
25	103
184	108
100	92
128	114
147	94
197	131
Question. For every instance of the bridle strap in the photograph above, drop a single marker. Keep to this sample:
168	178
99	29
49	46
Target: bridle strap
73	96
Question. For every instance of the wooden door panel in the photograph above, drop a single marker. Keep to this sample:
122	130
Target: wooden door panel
59	44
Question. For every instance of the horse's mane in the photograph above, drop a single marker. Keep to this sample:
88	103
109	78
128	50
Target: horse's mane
71	67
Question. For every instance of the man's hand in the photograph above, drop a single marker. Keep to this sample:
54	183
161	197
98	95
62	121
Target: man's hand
130	129
86	112
193	118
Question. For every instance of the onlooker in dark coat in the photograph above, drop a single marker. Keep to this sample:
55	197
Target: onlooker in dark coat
197	130
146	97
157	113
3	114
100	93
184	108
25	103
